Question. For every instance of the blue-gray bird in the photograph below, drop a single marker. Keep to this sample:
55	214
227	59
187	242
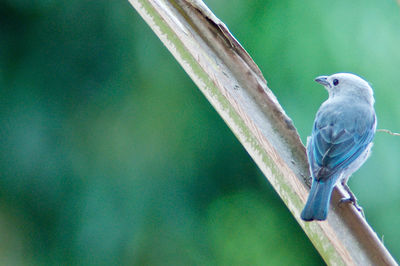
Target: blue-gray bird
340	141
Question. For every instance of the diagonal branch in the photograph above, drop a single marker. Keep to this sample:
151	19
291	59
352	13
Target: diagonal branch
235	86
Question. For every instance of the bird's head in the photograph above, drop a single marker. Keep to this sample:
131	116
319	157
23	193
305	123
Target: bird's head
346	84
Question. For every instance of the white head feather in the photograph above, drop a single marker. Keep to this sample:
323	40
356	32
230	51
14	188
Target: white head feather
347	85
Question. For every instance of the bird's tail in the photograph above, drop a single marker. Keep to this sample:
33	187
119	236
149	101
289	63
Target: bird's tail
318	200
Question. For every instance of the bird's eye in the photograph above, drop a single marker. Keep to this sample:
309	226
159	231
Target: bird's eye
335	82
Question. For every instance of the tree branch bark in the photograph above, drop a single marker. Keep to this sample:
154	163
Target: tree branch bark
235	86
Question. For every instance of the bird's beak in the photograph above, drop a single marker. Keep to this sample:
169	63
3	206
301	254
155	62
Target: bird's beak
323	80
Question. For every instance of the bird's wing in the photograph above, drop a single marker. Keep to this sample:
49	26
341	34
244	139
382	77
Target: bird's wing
339	137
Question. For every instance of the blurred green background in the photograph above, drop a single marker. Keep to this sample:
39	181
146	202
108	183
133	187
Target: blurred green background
111	155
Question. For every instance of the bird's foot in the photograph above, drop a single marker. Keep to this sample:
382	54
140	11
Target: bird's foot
352	199
308	180
355	204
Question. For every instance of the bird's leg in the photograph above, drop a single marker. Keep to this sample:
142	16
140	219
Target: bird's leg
352	198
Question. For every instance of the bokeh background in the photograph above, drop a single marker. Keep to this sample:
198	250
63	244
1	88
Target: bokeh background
111	155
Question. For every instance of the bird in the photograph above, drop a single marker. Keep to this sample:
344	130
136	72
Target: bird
340	141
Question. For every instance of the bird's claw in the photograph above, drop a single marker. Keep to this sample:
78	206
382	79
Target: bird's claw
308	180
353	201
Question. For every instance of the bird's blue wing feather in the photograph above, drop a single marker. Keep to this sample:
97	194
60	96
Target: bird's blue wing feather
339	137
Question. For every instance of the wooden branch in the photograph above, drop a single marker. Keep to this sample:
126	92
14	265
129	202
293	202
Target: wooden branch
235	86
388	131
